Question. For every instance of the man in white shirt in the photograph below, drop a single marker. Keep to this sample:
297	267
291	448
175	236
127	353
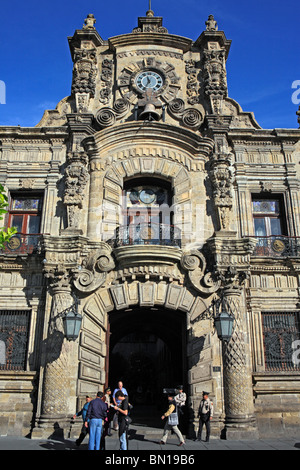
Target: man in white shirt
205	415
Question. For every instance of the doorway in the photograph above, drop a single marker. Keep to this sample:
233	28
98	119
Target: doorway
148	354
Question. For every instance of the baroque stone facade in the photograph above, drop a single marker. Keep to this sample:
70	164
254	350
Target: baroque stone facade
154	195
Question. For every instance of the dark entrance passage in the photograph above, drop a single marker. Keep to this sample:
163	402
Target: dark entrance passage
148	354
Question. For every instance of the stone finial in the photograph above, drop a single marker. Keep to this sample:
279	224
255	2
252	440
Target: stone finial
211	24
89	22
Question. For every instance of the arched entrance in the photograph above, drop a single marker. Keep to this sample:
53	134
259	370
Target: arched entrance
147	352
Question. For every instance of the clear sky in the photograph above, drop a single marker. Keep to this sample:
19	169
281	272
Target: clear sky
263	63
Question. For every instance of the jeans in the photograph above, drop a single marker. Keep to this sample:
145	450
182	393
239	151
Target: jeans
123	441
95	426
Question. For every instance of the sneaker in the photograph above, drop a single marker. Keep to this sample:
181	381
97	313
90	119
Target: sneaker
181	444
162	443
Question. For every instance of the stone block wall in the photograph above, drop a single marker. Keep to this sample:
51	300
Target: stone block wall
17	402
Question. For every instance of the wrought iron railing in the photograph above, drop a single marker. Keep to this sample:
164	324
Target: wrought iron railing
14	334
147	234
22	243
281	334
277	246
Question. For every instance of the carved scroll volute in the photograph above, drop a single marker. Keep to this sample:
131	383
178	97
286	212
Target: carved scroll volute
92	274
194	263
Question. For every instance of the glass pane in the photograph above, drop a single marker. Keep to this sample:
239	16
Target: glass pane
266	206
26	204
34	224
147	196
260	227
17	221
275	227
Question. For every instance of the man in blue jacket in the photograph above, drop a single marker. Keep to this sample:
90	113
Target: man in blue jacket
96	413
83	412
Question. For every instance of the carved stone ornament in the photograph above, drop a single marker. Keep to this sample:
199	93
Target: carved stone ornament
192	88
76	177
106	117
93	273
189	117
222	182
211	24
194	263
127	79
84	71
58	278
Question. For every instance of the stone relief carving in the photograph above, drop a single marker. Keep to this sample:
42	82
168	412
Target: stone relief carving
106	81
92	274
195	264
189	117
84	77
192	88
222	181
126	80
106	117
76	177
215	80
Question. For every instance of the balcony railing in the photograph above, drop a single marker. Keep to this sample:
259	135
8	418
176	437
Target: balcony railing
277	246
147	234
22	244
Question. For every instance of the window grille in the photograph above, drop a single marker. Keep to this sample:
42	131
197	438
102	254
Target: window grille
280	330
14	334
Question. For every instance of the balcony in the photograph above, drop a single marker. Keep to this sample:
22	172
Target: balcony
277	246
22	244
147	234
147	243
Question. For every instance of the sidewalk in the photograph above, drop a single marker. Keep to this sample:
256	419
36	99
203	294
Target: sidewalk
148	439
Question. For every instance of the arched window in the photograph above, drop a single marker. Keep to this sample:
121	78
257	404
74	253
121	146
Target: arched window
147	213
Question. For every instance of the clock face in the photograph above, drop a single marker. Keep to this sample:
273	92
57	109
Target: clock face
149	79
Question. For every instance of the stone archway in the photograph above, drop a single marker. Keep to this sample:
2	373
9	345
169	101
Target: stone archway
150	305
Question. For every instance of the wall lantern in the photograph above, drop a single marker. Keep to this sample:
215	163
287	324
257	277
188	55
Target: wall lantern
72	322
220	312
224	324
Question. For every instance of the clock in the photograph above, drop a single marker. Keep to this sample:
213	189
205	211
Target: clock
148	79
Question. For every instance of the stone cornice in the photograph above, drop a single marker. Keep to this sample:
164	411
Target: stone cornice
151	38
161	133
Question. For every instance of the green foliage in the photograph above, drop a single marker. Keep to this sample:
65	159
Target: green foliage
5	234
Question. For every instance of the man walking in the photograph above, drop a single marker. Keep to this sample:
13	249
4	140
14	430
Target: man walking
83	412
172	422
96	413
122	414
205	415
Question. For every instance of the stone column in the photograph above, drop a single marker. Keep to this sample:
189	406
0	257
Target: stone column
58	356
237	373
232	261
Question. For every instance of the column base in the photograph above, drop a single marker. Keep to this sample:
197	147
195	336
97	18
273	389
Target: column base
52	427
240	428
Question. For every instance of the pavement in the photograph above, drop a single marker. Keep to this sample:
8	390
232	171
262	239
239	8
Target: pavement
146	440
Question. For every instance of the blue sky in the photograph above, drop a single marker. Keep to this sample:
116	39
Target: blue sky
263	63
